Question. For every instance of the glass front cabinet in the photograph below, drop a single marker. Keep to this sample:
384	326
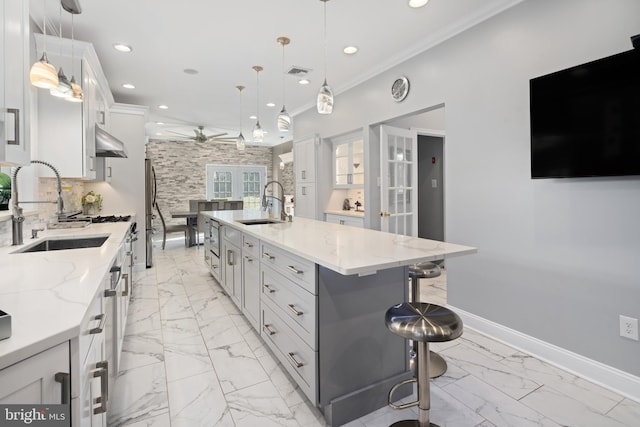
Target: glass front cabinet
348	162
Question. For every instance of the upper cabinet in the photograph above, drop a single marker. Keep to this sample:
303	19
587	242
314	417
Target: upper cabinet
348	161
66	130
14	83
304	164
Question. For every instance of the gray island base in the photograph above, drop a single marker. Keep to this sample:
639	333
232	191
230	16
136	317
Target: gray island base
317	293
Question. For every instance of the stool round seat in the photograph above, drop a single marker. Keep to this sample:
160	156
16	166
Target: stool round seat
425	270
423	322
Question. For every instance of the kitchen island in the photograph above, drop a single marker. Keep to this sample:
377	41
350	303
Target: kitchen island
317	293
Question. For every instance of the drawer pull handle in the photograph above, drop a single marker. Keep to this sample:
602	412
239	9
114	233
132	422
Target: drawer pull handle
248	244
102	318
65	384
125	293
293	361
266	328
248	258
294	311
231	257
103	373
269	288
295	270
268	256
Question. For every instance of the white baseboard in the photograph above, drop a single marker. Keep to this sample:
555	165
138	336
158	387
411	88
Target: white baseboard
606	376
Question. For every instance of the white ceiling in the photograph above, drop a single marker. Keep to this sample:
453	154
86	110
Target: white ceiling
224	39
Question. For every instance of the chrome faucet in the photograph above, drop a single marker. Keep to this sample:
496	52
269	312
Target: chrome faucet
283	214
17	218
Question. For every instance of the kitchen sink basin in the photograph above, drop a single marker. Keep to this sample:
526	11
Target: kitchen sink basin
59	244
259	221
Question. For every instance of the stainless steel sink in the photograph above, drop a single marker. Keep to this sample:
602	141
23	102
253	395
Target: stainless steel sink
259	221
59	244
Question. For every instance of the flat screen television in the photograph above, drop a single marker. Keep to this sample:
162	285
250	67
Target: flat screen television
585	120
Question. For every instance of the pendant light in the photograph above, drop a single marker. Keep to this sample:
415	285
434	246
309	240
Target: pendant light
240	145
258	133
43	74
324	101
63	90
76	95
284	119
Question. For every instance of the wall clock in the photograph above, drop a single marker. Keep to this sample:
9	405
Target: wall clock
400	89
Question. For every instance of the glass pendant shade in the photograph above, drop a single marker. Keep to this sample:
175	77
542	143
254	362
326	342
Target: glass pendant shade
325	99
240	145
63	89
258	133
76	92
43	74
284	120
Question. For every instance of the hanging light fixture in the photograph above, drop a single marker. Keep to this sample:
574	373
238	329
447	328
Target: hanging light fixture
76	90
43	74
63	90
258	133
240	145
324	101
284	119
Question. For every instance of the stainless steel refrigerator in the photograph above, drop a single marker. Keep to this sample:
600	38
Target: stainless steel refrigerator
149	205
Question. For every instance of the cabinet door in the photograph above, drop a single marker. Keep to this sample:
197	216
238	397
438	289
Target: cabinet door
95	394
251	288
341	159
306	200
348	163
233	272
305	160
34	379
14	83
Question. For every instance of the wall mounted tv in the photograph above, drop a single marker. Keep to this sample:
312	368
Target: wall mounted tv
585	120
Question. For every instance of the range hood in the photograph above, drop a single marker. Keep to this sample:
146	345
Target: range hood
108	145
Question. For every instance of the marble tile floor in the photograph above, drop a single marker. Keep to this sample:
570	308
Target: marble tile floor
191	359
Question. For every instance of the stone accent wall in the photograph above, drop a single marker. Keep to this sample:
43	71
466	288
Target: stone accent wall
181	169
287	179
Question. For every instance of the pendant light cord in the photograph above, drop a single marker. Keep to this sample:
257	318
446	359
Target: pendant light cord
325	40
283	93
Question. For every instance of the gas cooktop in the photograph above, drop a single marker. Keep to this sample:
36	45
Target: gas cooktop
110	218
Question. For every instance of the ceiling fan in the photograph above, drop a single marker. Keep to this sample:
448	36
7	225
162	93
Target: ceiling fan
200	136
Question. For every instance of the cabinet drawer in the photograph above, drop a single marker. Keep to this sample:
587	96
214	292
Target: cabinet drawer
298	306
232	235
301	271
297	357
250	245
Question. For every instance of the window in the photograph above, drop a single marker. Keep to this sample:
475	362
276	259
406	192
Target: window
235	182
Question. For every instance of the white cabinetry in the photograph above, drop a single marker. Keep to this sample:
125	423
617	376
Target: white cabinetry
348	162
251	279
40	379
66	130
345	220
232	259
15	89
304	153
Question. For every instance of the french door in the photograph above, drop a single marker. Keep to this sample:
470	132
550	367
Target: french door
399	177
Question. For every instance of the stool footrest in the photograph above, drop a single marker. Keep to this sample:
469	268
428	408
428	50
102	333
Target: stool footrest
394	388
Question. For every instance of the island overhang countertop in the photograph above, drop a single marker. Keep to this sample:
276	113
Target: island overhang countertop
343	249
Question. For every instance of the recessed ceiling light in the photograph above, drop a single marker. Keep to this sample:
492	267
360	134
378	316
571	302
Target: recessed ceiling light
252	117
128	86
122	47
350	50
417	3
160	123
163	107
270	104
303	81
159	134
190	71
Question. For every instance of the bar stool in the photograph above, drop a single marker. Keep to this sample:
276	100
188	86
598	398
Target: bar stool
425	270
423	323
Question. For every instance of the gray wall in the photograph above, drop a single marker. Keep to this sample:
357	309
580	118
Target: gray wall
557	259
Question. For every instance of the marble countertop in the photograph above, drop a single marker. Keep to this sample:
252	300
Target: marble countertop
346	250
47	294
357	214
